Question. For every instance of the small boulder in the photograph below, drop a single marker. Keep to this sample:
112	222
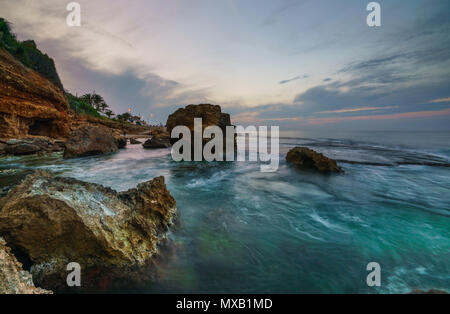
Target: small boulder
306	158
121	142
134	141
90	140
29	146
160	139
22	149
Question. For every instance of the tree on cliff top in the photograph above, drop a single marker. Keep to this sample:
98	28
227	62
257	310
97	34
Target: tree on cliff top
28	54
96	101
7	38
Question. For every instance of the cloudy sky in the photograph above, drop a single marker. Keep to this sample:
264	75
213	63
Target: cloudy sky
300	64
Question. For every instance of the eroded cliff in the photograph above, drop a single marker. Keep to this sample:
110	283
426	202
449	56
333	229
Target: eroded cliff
29	103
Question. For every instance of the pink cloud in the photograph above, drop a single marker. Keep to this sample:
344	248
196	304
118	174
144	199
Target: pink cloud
440	100
418	114
357	109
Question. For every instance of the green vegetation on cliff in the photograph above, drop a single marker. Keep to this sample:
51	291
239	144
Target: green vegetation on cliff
79	105
27	53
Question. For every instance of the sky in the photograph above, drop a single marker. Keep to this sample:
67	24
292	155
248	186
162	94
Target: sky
301	64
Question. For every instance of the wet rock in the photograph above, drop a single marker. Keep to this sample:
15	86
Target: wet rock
160	139
55	221
2	148
13	279
306	158
4	190
134	141
121	142
90	140
29	146
22	149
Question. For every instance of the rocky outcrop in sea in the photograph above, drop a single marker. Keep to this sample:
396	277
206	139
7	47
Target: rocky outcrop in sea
54	221
211	115
305	158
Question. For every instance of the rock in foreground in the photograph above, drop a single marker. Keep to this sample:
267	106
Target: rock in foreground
90	140
306	158
55	221
13	279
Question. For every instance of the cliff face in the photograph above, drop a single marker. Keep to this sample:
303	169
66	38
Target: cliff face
34	59
27	53
29	103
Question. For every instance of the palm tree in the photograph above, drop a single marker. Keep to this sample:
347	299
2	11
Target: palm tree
103	106
109	113
87	98
97	101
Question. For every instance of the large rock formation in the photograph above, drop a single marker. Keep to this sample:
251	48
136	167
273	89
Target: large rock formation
90	140
306	158
29	103
54	221
211	115
13	279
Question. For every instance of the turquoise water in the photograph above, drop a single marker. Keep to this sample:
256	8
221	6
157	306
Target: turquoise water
243	231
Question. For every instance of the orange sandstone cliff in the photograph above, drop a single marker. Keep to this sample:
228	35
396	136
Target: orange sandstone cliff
29	103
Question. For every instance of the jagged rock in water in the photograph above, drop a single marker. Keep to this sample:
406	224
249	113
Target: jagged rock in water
134	141
55	221
2	148
160	139
121	141
89	140
29	103
13	279
306	158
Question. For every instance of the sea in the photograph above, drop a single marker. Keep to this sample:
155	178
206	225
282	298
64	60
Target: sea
240	230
